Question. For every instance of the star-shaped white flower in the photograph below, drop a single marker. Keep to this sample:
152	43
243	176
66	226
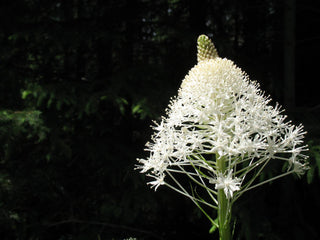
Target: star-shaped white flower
228	183
157	182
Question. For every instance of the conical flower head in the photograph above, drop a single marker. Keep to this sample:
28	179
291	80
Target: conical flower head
206	49
219	112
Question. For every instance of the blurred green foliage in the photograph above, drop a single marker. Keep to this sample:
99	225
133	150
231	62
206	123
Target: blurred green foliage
80	83
314	154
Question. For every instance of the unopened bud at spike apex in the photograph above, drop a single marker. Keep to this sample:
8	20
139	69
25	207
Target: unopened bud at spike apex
206	49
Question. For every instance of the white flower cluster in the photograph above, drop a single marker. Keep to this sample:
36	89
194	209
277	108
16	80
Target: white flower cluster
220	113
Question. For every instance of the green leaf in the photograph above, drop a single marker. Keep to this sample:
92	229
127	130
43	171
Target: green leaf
121	104
310	175
102	98
136	109
317	157
14	216
58	105
215	226
25	94
315	154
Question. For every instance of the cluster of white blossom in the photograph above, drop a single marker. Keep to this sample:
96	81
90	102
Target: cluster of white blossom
220	113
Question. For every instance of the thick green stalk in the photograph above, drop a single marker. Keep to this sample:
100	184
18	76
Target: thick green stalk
224	207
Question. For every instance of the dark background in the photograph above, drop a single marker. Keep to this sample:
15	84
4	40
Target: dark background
81	81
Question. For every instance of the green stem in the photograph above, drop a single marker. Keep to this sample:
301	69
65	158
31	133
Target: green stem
224	206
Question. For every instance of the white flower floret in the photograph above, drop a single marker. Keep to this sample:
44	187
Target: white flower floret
159	180
228	183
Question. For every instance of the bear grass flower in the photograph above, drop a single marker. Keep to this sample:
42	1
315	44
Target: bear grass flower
227	183
221	132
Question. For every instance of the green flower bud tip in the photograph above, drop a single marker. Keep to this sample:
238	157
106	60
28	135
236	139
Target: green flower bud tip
206	49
